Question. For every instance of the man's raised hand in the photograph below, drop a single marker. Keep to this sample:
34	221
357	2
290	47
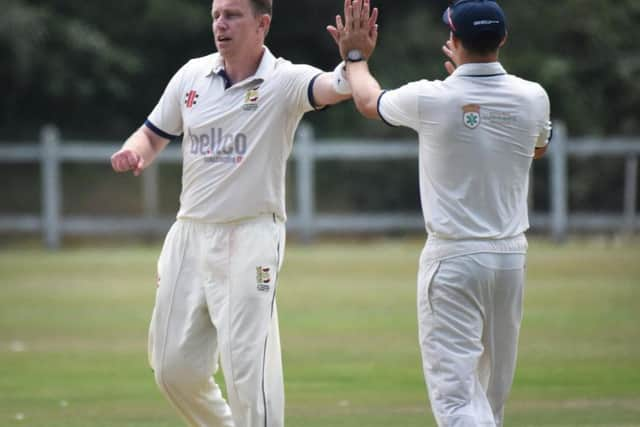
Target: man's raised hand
359	29
450	51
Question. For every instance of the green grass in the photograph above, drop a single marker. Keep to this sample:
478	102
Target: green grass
348	325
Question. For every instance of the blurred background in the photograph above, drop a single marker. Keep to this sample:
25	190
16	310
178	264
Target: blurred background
78	77
96	71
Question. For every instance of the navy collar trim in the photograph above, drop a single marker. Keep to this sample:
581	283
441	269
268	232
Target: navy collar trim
483	75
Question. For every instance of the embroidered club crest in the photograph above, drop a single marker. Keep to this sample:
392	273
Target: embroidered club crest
263	277
471	116
251	99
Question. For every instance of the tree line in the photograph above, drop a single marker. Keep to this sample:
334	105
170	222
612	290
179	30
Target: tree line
97	69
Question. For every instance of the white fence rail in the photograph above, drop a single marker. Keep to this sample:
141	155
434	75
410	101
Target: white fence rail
52	154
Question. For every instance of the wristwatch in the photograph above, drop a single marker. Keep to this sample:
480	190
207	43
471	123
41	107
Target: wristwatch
354	55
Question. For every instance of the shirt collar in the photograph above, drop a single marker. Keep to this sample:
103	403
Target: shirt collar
264	71
479	69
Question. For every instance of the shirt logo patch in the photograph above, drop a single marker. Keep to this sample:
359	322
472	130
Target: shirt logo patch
471	116
191	98
251	99
263	277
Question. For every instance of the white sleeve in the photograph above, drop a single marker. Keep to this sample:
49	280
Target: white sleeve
546	130
166	118
399	107
299	87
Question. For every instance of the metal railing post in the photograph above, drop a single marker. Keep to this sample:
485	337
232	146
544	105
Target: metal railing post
305	167
51	187
630	194
150	196
558	182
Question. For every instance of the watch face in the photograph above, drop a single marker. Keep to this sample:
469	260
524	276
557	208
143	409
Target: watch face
354	55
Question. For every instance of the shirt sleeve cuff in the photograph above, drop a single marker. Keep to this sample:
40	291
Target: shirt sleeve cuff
545	143
312	99
380	112
155	129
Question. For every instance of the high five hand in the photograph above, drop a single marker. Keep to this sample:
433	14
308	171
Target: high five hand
359	30
450	51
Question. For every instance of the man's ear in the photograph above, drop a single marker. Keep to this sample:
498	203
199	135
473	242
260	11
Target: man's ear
265	23
504	40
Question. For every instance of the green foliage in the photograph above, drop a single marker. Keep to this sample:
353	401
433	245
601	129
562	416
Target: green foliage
97	69
60	66
584	52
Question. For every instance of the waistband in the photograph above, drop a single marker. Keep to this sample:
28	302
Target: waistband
260	219
438	249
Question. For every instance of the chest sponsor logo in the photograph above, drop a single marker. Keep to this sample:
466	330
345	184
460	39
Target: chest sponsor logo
217	146
471	116
251	99
191	98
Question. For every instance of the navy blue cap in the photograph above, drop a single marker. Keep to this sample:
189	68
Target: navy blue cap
468	19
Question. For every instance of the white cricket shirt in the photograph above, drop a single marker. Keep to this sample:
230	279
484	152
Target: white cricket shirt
478	130
236	139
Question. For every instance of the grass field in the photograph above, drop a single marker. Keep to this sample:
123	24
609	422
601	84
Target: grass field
73	337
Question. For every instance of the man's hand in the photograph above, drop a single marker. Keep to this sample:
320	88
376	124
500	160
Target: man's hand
539	152
127	160
359	30
450	51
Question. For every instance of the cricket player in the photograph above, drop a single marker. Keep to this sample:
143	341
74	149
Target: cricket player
237	111
479	130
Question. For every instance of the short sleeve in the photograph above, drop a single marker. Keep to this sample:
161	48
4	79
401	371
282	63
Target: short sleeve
399	107
299	87
546	129
166	118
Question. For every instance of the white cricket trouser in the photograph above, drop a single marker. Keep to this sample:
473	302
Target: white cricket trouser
469	311
216	300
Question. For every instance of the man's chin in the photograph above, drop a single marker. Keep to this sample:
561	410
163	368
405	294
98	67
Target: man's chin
223	46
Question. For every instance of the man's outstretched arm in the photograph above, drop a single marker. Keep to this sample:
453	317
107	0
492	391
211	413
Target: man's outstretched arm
331	88
359	32
366	89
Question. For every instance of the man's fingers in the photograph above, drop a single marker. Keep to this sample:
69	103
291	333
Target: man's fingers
126	160
364	14
449	67
539	152
334	33
114	163
356	11
373	20
132	159
339	23
137	171
348	11
447	51
120	162
374	33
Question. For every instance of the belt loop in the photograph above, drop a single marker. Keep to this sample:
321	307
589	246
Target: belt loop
274	218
